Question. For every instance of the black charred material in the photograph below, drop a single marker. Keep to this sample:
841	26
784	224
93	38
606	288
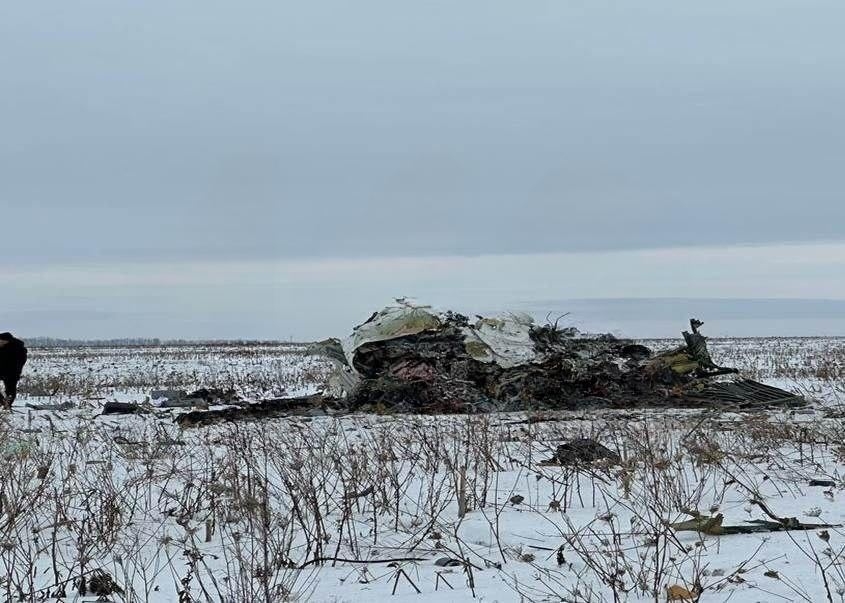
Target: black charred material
121	408
583	451
433	372
277	407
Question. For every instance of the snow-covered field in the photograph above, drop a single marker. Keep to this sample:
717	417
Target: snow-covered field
409	508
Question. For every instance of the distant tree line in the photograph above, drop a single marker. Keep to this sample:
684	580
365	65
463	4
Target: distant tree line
52	342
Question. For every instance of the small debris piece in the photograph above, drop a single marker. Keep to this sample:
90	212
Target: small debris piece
583	451
215	396
121	408
53	407
713	525
448	562
697	347
826	483
699	523
184	403
99	583
559	557
203	397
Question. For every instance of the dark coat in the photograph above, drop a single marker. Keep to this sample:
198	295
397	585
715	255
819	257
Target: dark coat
12	360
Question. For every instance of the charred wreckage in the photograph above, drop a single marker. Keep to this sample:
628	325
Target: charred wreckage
409	358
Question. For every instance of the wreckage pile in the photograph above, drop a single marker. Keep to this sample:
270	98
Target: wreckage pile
408	358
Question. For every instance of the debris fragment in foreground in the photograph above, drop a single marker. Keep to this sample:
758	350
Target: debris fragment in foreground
713	526
582	451
826	483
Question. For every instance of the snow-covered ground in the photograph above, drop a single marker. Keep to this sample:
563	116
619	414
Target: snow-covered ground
358	508
253	370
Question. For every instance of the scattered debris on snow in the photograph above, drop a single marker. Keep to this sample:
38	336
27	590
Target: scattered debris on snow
583	451
713	525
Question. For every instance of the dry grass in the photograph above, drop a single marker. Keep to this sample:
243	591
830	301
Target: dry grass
249	512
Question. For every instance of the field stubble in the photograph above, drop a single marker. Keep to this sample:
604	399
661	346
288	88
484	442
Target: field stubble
347	508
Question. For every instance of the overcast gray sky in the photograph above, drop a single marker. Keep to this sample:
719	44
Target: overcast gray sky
158	135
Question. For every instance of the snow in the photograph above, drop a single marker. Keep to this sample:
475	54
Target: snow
205	510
